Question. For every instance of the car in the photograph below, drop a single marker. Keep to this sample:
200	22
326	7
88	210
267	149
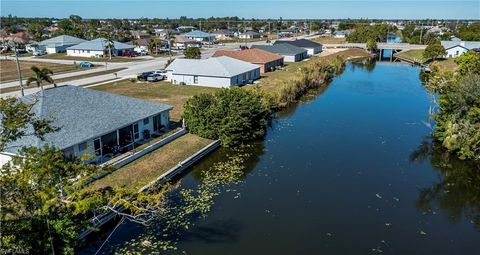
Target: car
143	76
86	64
39	53
155	77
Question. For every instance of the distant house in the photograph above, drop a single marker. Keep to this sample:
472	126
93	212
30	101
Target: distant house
93	122
182	42
456	47
289	52
59	44
97	48
311	47
266	60
213	72
199	36
223	34
249	35
341	33
140	34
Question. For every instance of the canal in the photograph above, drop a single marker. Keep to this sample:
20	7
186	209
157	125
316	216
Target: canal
349	170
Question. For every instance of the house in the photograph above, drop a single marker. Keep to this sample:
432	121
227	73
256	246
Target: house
223	34
456	47
199	36
249	35
289	52
95	123
140	34
181	42
97	48
59	44
212	72
267	61
311	47
341	33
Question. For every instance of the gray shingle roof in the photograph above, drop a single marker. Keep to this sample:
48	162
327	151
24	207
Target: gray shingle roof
83	114
470	45
282	49
302	43
62	40
198	34
99	44
217	67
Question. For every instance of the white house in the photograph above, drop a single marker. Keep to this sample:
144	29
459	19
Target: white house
97	48
59	44
213	72
456	47
91	122
249	35
199	36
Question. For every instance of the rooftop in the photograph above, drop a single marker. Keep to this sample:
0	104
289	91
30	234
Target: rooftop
302	43
250	55
99	44
83	114
470	45
216	67
62	40
282	49
198	34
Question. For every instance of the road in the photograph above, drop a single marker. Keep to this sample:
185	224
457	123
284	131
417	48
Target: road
131	69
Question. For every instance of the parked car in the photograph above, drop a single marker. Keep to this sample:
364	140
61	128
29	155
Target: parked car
129	54
155	77
39	53
86	64
143	76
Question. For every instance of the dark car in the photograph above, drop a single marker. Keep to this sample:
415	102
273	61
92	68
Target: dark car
129	54
143	76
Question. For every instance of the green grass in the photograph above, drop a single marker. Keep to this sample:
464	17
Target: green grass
146	169
416	55
64	56
162	92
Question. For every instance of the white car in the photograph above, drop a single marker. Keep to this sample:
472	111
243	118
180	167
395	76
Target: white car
39	53
155	77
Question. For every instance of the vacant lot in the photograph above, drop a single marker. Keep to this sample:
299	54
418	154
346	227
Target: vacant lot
329	40
146	169
8	70
162	92
65	57
416	55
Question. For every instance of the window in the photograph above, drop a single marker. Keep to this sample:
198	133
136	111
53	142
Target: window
88	51
135	131
82	147
146	121
69	153
195	79
456	54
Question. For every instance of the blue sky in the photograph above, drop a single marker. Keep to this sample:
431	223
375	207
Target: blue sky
318	9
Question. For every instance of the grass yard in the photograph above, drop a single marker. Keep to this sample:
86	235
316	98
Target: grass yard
416	55
146	169
65	57
445	65
329	40
8	69
162	92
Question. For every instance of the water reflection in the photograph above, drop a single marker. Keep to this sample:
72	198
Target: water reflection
457	193
367	64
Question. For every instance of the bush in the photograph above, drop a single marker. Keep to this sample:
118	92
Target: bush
232	115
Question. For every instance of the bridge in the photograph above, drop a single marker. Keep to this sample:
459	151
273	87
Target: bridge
380	46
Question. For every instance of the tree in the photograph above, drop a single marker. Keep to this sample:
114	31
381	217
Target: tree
434	51
193	53
371	45
41	75
109	46
468	63
232	115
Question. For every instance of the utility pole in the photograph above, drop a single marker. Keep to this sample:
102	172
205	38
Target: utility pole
19	72
200	26
421	32
269	31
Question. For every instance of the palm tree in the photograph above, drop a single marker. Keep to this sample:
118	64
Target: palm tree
110	45
41	75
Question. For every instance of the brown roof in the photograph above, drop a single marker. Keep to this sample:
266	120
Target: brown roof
250	55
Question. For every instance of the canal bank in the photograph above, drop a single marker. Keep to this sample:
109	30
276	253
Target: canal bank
348	170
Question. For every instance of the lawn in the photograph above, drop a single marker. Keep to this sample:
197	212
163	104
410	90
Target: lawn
445	65
329	40
65	57
146	169
8	69
162	92
416	55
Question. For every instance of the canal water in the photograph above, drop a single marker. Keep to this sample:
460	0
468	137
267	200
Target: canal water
349	170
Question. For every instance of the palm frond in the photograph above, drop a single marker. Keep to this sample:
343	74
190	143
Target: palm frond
30	80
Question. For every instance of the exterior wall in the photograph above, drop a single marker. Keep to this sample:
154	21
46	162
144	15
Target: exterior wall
296	58
85	53
57	49
455	51
287	58
313	51
217	82
271	66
